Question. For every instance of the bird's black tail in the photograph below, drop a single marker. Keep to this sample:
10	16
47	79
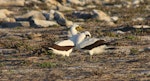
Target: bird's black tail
111	48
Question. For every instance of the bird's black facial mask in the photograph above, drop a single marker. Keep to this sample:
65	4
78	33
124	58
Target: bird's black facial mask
88	36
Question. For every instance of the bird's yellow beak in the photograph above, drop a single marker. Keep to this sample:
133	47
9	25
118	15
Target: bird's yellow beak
79	28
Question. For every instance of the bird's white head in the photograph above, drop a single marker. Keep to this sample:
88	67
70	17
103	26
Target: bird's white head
83	36
75	28
87	34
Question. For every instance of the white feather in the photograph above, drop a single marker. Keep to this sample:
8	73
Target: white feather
87	42
83	41
59	52
70	42
74	33
73	30
65	43
98	50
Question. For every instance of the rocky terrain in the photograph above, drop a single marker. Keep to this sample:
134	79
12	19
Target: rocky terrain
28	26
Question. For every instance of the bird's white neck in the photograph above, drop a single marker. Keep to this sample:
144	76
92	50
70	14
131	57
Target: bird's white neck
74	31
80	38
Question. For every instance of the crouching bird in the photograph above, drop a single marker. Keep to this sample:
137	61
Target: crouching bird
64	47
91	45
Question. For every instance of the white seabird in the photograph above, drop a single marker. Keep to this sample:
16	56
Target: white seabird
74	31
64	47
91	45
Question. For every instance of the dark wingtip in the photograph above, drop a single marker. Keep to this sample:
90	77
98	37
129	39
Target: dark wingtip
111	48
49	48
113	42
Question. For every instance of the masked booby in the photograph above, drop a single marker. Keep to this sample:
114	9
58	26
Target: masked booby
74	31
91	45
64	47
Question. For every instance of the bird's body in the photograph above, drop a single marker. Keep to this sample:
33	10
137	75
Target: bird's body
64	47
65	43
93	46
74	31
90	45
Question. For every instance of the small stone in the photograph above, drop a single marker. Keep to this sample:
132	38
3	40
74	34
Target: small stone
138	19
76	2
108	2
98	2
25	23
8	51
42	23
148	7
127	4
10	24
69	23
80	20
28	2
147	49
144	38
51	2
137	2
110	23
4	13
12	2
80	8
82	14
123	49
33	59
34	14
61	20
62	1
91	6
34	36
7	20
100	15
65	8
141	26
39	16
120	32
118	5
115	18
51	15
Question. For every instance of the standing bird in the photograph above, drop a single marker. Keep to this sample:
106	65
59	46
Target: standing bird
74	32
91	45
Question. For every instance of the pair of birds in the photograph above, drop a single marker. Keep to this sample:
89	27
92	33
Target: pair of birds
81	41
